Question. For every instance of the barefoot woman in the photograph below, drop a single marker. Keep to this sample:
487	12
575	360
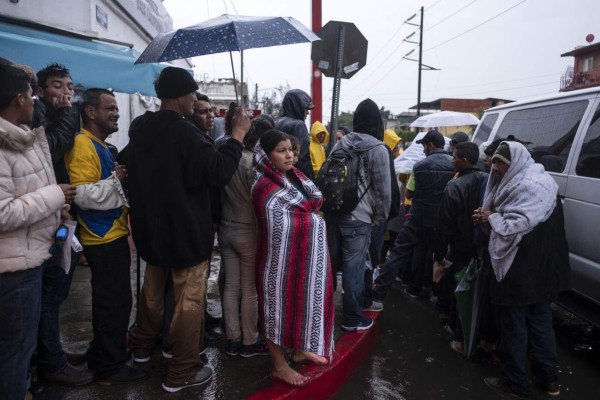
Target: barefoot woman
294	280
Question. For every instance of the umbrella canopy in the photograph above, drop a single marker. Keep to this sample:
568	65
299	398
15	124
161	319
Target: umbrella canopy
226	33
469	294
445	118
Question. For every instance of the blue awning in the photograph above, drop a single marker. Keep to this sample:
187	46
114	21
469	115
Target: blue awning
92	63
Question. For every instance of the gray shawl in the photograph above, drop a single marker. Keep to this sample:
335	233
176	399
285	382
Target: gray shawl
521	200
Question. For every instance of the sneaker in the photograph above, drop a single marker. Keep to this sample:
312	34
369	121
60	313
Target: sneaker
377	306
141	359
123	374
364	324
204	348
502	386
551	388
70	376
234	347
76	358
256	349
413	294
167	353
201	377
212	336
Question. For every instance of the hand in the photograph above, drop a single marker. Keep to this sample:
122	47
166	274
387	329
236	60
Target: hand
65	216
69	191
62	101
480	216
240	124
120	172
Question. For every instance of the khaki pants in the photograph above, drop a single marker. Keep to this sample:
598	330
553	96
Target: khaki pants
187	326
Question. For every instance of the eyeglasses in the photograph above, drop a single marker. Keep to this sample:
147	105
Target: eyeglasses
203	111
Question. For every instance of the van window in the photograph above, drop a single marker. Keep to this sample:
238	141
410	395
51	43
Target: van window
547	132
485	128
588	163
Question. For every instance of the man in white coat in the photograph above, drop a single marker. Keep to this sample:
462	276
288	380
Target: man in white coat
31	208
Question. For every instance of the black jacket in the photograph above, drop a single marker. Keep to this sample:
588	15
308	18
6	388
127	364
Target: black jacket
540	268
294	108
171	167
454	226
431	176
60	126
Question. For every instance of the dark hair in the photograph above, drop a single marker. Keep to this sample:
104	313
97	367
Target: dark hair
343	129
54	69
13	81
295	143
468	150
5	61
91	98
271	138
202	97
229	117
258	127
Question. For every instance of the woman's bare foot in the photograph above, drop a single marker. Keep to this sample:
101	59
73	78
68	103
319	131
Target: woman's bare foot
306	357
288	375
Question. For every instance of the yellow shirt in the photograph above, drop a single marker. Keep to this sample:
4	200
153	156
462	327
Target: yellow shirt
88	162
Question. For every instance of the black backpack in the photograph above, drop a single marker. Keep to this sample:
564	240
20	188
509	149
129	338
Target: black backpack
338	181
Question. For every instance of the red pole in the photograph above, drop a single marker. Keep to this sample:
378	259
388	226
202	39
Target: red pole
316	84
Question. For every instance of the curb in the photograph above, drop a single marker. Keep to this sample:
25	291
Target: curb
351	351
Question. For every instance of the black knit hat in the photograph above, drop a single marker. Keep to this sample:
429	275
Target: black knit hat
174	82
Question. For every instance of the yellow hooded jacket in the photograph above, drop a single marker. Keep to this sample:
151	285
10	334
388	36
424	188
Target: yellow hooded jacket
317	152
390	138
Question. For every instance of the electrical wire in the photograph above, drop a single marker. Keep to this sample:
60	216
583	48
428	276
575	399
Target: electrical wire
448	17
475	27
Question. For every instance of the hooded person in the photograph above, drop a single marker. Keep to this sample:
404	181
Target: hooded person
171	167
529	256
318	137
393	141
349	234
295	107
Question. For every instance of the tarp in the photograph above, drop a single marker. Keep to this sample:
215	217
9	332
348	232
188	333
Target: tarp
91	63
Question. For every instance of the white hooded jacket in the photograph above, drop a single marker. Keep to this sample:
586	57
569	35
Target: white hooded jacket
30	199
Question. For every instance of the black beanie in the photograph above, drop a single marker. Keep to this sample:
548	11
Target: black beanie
174	82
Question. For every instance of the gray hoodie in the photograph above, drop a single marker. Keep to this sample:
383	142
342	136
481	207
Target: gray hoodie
374	176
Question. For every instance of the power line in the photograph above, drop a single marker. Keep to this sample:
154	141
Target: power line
476	26
450	16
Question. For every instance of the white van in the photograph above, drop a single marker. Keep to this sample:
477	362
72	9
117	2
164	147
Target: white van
562	132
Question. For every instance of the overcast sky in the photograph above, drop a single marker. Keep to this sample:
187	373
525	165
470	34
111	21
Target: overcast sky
484	48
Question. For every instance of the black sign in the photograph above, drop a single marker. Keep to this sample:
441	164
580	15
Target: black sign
355	49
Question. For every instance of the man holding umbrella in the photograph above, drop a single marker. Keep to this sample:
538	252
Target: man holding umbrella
454	229
171	167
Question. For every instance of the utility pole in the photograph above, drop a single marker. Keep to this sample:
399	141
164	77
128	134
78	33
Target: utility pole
316	79
420	60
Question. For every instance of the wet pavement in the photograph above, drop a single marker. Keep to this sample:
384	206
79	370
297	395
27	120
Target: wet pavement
234	377
411	361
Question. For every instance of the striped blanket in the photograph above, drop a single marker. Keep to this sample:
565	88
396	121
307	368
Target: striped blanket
294	279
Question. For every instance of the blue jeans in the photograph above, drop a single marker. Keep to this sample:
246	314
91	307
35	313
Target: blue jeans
55	289
356	236
522	325
19	318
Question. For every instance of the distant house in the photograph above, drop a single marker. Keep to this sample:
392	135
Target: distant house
586	70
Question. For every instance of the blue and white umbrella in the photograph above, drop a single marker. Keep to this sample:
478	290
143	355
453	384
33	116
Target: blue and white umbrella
226	33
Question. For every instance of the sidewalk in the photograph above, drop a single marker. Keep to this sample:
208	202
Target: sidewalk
234	377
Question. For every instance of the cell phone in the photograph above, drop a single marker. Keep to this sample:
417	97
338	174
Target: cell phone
61	234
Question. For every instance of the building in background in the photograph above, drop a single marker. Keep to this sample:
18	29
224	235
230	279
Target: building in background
89	31
585	72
